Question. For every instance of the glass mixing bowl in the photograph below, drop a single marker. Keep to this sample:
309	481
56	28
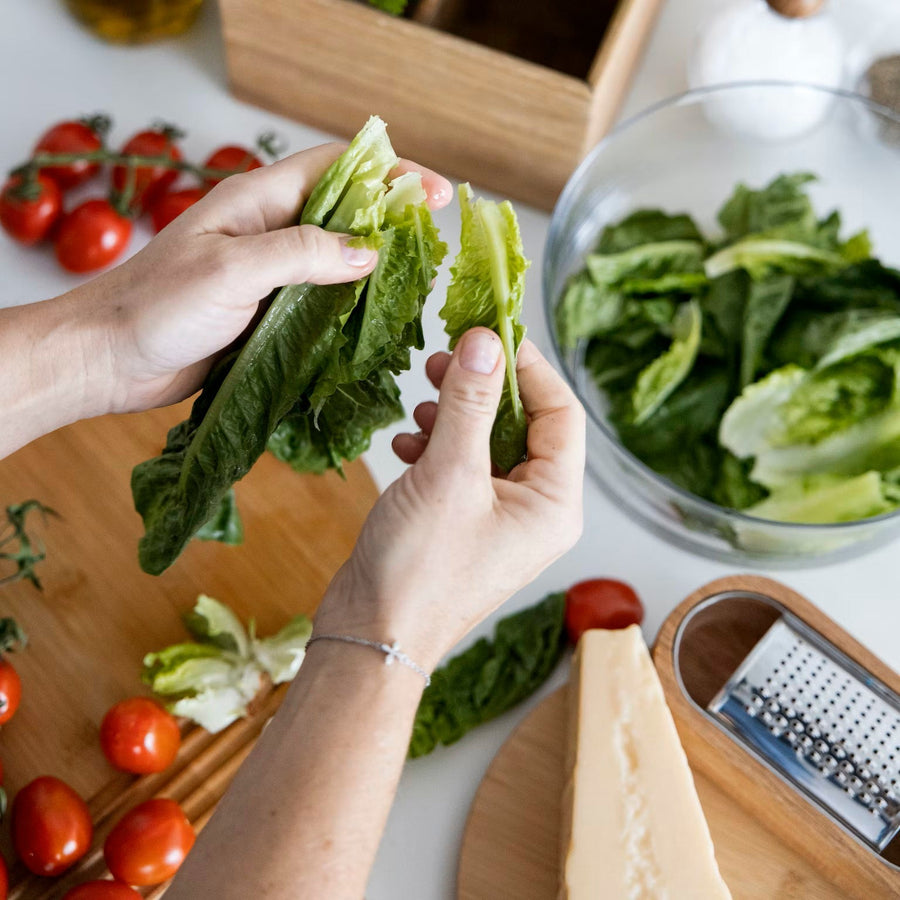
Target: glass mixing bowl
686	155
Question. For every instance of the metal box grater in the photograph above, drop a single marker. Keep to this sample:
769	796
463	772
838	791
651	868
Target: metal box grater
824	724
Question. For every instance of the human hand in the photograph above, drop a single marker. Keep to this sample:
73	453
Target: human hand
197	286
448	542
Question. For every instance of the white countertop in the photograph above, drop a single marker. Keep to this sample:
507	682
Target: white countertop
50	70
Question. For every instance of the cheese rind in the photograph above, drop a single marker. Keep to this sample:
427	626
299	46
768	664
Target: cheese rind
633	828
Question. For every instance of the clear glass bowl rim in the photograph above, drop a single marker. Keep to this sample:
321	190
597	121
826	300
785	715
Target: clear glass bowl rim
571	191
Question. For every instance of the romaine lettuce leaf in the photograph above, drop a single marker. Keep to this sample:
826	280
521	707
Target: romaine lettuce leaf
487	288
655	383
214	680
826	499
647	226
311	341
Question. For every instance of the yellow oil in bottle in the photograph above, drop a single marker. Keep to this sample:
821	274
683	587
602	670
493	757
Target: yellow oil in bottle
135	21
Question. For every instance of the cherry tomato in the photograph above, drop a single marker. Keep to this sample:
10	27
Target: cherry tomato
150	182
73	137
91	236
601	603
51	826
29	219
10	690
170	206
4	880
100	890
233	159
138	735
149	843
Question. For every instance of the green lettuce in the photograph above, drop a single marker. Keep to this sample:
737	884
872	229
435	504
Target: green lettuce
225	526
314	343
656	382
213	679
491	676
487	288
782	398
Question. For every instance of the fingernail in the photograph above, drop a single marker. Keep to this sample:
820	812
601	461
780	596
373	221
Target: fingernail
480	352
356	256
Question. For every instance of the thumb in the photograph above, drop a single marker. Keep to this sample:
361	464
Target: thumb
302	253
468	402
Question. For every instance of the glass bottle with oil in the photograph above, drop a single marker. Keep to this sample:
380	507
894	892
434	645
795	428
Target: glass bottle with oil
135	21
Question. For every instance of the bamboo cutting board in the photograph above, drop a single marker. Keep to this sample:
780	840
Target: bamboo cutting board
99	613
510	847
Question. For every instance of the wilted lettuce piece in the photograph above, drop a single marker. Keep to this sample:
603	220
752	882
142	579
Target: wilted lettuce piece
214	680
225	526
819	501
487	288
655	383
491	676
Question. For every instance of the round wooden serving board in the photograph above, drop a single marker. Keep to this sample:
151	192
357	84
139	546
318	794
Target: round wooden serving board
510	848
99	613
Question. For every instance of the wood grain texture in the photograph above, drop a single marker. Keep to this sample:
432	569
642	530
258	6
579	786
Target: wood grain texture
510	848
468	111
99	614
763	795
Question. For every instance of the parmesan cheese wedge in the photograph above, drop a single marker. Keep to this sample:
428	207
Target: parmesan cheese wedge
633	828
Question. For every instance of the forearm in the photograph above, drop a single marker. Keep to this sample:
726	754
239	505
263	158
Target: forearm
56	360
305	814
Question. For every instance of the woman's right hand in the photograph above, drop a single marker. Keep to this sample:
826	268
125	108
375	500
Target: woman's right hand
448	542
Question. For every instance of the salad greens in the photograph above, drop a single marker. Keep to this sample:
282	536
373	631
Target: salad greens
491	676
213	679
761	370
487	288
314	379
225	526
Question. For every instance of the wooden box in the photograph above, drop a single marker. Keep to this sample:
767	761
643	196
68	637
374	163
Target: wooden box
456	81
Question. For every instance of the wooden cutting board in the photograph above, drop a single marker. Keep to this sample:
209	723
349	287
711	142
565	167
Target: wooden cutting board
99	613
510	848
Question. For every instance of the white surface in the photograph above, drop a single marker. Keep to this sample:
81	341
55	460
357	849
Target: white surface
50	69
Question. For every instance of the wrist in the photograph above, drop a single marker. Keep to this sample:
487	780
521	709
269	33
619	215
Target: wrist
352	607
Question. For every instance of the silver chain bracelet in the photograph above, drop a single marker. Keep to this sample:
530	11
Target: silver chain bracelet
391	651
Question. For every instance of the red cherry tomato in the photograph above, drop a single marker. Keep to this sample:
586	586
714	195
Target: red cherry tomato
601	603
149	843
91	236
10	690
4	880
51	826
138	735
100	890
29	219
150	182
170	206
72	137
233	159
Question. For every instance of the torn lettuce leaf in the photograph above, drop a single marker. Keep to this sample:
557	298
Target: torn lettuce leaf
214	679
487	288
491	676
312	341
658	380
